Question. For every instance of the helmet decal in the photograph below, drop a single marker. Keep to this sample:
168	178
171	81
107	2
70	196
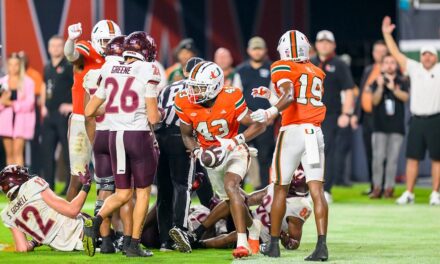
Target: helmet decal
215	74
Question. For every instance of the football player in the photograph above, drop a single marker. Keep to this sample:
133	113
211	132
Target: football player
214	113
35	210
131	110
298	210
84	55
105	181
299	86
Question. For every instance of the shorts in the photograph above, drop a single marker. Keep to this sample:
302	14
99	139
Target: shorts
291	150
80	148
101	152
133	157
424	134
237	162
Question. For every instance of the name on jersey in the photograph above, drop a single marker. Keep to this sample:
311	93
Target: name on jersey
121	69
20	202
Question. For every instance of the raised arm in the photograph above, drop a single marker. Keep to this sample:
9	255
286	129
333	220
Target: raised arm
387	30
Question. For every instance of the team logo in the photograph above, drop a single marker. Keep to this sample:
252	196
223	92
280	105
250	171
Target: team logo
215	74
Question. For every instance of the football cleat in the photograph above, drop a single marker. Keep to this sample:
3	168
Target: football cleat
254	245
137	251
434	198
406	198
183	239
320	253
241	252
270	250
89	238
107	246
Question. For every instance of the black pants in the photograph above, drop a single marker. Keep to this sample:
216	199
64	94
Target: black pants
337	145
174	182
36	157
54	131
367	136
265	143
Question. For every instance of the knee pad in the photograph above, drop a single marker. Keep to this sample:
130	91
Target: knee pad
98	205
105	183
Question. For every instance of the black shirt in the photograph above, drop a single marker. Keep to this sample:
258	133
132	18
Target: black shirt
166	101
394	121
338	78
59	81
254	78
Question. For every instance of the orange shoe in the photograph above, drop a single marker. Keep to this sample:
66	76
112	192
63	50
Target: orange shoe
254	245
240	252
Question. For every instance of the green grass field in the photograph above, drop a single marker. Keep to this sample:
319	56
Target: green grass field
360	231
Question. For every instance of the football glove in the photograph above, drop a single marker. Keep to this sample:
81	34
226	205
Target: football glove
74	31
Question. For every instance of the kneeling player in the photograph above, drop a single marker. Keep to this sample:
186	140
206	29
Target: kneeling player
215	112
36	211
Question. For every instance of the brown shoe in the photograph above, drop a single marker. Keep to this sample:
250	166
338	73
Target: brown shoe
389	193
376	193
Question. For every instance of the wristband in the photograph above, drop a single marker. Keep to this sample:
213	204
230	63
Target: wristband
273	111
86	188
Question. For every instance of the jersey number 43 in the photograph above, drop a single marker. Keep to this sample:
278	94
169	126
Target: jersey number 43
204	129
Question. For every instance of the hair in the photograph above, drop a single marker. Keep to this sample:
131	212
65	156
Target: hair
56	37
379	42
22	71
385	56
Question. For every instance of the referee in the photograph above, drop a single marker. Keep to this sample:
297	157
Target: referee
424	128
174	176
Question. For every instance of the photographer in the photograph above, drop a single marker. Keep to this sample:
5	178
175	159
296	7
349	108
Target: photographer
390	92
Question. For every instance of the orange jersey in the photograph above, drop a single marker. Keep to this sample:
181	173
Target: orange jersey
307	108
92	60
222	119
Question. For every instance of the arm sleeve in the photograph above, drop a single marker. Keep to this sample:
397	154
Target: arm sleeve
280	73
152	81
240	105
345	77
82	48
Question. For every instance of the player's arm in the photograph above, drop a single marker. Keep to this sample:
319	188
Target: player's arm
153	114
93	107
187	136
70	51
21	243
292	240
255	198
387	30
253	128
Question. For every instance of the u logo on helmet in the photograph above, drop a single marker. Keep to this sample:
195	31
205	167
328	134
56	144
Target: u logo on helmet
215	74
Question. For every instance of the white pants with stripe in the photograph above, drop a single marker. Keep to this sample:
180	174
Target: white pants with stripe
291	150
80	148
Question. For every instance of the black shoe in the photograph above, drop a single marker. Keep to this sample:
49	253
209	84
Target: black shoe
270	250
126	241
107	246
90	237
183	239
320	253
138	252
167	246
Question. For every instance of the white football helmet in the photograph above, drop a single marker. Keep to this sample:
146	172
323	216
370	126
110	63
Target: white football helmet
205	81
294	45
102	33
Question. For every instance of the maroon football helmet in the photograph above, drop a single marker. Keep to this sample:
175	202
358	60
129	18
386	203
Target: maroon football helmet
12	177
115	47
298	186
140	45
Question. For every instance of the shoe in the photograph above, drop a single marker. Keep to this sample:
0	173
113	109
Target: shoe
376	193
320	253
406	198
367	192
126	241
328	197
90	237
388	193
183	239
138	252
270	250
254	245
241	252
166	246
434	198
107	246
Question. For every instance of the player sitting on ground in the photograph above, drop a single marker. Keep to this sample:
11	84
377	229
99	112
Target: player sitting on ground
36	211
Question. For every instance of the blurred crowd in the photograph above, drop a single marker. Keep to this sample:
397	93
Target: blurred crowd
34	110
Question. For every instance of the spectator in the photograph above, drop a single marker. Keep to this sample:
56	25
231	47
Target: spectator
424	128
36	141
365	104
183	52
223	58
389	93
57	104
254	73
339	99
17	110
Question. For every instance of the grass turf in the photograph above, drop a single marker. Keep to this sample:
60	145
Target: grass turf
360	231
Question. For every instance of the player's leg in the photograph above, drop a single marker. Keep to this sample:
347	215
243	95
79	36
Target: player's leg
18	150
205	192
126	213
221	241
221	211
7	143
288	151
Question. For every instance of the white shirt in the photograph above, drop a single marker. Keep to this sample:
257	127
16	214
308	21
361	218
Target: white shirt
125	86
425	88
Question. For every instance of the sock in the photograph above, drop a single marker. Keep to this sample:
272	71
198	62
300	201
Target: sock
200	231
242	240
97	221
274	240
126	241
322	239
254	230
134	242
